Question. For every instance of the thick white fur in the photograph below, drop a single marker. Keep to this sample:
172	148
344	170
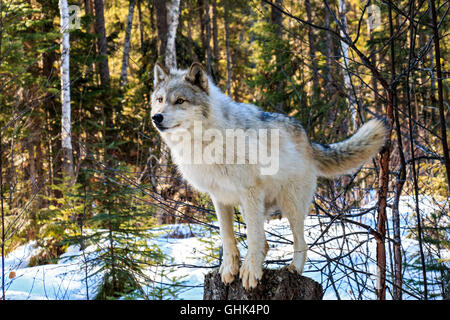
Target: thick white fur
290	190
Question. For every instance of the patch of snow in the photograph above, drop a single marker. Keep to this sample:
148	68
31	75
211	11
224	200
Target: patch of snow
353	260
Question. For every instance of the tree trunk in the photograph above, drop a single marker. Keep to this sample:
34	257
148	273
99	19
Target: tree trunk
90	28
437	54
412	41
66	134
167	17
141	26
345	70
312	48
315	87
89	11
51	103
205	32
101	43
173	14
215	38
126	44
161	26
373	81
431	92
227	45
401	176
277	19
274	285
382	202
208	37
190	41
330	57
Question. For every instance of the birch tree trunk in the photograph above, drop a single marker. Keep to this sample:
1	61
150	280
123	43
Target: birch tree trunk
126	44
173	14
66	135
277	19
345	70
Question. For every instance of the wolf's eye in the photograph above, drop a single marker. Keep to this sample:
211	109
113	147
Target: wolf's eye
160	99
179	101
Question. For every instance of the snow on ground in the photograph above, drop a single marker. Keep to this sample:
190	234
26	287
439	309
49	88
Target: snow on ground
64	280
350	248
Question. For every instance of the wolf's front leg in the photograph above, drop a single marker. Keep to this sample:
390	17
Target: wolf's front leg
251	269
230	264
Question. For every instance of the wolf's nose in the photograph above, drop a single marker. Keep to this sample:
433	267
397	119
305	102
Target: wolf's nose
158	118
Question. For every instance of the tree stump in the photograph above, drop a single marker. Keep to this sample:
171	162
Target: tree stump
274	285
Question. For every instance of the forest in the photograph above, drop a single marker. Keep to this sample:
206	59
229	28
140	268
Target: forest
92	206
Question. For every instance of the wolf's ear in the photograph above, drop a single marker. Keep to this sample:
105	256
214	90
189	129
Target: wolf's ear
160	73
197	76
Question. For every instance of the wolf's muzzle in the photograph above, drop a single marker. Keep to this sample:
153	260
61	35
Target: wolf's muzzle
158	118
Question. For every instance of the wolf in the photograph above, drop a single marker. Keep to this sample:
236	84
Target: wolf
182	98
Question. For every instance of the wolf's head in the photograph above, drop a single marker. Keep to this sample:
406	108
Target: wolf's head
180	97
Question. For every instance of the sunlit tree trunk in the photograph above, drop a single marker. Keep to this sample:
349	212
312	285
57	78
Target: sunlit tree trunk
126	44
173	14
66	134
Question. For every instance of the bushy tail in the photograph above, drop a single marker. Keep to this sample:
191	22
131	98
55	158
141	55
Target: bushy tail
346	156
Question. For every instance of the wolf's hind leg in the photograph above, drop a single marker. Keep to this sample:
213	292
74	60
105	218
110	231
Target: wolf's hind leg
300	246
230	264
295	206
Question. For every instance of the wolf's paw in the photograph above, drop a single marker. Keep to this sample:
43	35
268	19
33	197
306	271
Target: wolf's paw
229	268
293	269
250	273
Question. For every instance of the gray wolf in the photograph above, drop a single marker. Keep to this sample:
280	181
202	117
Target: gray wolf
182	98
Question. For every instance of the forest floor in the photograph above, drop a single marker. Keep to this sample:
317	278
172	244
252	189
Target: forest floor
192	250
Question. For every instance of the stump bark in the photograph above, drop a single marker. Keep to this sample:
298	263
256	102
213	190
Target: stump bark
274	285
